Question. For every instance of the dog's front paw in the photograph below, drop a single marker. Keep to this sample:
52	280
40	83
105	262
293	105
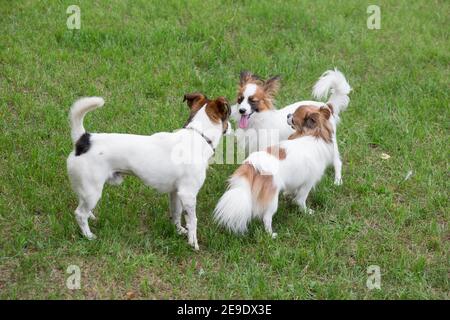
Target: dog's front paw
181	230
309	211
192	240
194	245
90	236
274	235
338	181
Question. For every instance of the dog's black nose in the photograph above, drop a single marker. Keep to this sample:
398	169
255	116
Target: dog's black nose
289	115
241	111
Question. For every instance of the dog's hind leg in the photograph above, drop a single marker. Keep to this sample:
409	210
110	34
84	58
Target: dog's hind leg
176	210
82	217
267	217
87	203
302	195
189	202
337	163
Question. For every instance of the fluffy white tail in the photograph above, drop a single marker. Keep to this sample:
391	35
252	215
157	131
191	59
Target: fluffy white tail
77	113
333	81
234	210
252	193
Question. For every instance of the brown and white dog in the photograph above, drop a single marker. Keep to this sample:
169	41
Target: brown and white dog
171	162
295	165
260	122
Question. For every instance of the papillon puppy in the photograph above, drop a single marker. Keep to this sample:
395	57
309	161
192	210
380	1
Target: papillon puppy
259	120
173	163
295	165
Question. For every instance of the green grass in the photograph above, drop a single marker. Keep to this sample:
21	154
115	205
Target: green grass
142	56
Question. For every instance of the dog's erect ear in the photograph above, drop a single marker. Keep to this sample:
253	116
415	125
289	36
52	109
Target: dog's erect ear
311	120
326	112
247	76
330	106
272	85
195	100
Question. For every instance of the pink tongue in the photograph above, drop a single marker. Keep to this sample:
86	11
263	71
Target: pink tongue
243	123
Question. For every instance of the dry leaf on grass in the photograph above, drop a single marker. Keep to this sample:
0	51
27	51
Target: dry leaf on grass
385	156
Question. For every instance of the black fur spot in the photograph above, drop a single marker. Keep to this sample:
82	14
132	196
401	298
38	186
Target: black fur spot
254	105
83	144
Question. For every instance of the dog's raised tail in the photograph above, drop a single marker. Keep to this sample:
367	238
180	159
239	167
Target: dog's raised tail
77	113
334	82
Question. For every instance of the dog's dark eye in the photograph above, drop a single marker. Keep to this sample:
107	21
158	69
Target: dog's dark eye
253	100
254	104
240	99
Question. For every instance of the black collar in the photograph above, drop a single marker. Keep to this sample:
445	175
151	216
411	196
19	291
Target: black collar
208	140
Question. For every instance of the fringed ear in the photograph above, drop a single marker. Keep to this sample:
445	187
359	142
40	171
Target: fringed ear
311	121
272	85
326	112
247	76
330	106
195	100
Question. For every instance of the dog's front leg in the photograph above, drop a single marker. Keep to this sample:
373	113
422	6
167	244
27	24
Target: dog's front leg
175	212
189	202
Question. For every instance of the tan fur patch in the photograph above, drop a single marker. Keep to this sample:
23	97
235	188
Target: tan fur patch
277	152
260	99
213	112
312	121
264	100
262	186
265	91
219	111
195	101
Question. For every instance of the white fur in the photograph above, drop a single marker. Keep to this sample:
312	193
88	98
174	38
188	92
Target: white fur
250	90
334	82
274	121
77	112
154	159
306	160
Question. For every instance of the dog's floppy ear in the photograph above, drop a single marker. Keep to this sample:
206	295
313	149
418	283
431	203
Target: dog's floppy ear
223	107
272	85
326	112
218	110
311	120
247	76
195	100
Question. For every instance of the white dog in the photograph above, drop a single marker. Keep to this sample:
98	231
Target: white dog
164	161
295	165
256	114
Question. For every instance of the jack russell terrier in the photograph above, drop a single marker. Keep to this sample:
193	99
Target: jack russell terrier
173	163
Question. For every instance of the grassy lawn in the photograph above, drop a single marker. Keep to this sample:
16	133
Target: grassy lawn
142	56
